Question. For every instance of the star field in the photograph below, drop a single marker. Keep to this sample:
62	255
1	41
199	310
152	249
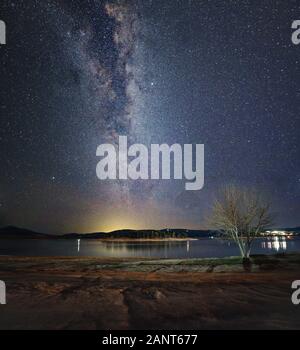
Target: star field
77	74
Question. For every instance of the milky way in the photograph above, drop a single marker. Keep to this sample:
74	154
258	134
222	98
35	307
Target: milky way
76	74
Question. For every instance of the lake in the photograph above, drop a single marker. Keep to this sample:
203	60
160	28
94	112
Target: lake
202	248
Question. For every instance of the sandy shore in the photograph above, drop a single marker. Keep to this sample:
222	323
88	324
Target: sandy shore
89	293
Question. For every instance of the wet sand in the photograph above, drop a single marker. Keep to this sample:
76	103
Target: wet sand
86	293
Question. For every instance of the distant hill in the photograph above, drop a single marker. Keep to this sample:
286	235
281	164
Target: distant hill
16	232
192	233
143	234
291	229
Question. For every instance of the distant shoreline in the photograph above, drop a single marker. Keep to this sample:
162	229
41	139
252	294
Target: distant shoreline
109	240
127	235
124	240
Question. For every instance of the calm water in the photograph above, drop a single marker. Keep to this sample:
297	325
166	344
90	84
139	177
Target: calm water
203	248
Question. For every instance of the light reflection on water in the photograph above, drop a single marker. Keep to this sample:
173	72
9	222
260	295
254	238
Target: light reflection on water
275	243
202	248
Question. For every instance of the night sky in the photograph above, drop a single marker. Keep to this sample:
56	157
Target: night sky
76	74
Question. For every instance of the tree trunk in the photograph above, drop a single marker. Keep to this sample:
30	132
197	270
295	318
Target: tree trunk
246	259
245	249
247	264
248	250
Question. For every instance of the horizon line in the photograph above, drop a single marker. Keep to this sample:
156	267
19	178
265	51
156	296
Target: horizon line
129	229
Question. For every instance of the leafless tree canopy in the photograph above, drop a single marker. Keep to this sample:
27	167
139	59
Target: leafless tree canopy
241	214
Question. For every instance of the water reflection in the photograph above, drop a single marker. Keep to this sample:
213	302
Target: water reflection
202	248
184	249
163	249
275	243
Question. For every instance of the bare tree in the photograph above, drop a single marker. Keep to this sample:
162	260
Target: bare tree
241	214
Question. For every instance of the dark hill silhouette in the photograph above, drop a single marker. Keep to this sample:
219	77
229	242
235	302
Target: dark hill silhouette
143	234
17	233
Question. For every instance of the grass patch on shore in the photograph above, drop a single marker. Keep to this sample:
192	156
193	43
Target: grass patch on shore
288	261
202	262
228	264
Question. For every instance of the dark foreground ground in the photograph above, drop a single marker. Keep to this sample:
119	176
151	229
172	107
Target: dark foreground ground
89	293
